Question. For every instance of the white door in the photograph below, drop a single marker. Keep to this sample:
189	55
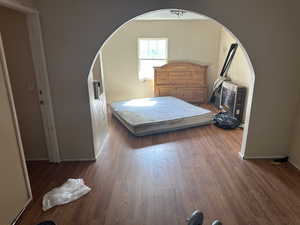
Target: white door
14	184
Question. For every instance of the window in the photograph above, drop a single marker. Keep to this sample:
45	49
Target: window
152	52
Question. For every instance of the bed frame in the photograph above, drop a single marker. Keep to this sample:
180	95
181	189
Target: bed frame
184	80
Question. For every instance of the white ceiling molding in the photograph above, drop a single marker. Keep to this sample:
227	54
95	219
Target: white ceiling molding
171	14
26	6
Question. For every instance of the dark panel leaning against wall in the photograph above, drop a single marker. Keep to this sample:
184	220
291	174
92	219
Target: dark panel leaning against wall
75	30
16	43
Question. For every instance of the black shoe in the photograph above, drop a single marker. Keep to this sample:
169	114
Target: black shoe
196	218
47	223
216	222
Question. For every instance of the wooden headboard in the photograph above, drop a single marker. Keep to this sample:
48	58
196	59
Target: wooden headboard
187	81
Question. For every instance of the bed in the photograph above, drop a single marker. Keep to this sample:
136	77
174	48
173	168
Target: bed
147	116
183	80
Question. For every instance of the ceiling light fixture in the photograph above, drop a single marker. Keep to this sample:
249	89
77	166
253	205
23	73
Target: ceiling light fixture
178	12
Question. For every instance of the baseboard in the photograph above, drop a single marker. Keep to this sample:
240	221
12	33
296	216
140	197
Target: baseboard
262	157
37	159
20	214
63	160
241	155
102	146
296	166
79	160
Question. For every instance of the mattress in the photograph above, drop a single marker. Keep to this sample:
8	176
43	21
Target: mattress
147	116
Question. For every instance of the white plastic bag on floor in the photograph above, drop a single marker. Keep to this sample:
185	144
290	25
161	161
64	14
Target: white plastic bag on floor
68	192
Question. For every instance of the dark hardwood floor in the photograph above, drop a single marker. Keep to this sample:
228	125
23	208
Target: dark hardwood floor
161	179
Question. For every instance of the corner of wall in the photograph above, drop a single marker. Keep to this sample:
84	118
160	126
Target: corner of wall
294	147
98	108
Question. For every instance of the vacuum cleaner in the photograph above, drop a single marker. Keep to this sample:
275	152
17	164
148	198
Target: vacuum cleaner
196	218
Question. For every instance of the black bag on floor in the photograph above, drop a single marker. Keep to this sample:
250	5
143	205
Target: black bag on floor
226	121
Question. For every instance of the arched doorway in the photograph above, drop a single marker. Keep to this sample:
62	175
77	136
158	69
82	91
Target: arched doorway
193	16
75	58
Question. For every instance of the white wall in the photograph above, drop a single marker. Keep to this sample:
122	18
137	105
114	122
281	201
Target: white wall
240	70
74	31
194	41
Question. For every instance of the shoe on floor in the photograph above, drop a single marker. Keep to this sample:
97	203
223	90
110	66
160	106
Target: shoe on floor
217	222
47	223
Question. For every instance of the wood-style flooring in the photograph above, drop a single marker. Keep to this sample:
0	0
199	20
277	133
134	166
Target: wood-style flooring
161	179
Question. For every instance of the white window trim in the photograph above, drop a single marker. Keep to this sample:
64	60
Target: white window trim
138	54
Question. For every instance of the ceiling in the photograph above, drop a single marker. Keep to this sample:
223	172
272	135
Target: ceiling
166	14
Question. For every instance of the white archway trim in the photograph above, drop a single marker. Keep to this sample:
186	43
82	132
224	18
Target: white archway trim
20	5
243	152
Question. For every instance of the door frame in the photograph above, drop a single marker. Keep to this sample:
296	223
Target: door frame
7	84
41	75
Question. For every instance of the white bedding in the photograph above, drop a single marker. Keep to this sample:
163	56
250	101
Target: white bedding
160	114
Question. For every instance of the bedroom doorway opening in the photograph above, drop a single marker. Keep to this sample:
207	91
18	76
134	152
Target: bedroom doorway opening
22	76
167	40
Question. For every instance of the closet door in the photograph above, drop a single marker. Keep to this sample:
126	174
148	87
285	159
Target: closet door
14	184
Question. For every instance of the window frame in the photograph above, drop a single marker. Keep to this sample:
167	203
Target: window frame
139	59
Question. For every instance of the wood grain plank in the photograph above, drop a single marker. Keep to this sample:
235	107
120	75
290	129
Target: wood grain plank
161	179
